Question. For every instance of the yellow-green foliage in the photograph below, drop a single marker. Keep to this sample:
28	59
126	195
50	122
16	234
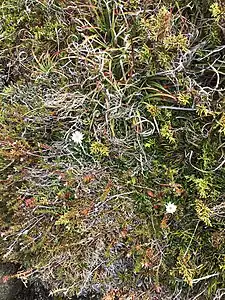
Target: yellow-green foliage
184	98
222	266
202	110
153	110
203	186
159	25
163	45
185	268
222	124
216	10
203	212
167	133
100	149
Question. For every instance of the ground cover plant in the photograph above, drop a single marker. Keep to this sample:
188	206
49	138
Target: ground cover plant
112	138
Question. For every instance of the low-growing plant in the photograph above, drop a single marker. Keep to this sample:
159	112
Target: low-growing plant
112	146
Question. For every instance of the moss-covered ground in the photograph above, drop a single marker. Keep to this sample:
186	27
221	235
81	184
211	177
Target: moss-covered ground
142	84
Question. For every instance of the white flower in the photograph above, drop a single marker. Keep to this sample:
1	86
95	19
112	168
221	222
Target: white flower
170	208
77	137
25	232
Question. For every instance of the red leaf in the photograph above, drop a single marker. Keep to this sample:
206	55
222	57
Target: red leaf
5	278
150	194
30	202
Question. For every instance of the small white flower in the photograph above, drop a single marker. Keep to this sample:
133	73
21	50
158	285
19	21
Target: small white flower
170	208
25	232
77	137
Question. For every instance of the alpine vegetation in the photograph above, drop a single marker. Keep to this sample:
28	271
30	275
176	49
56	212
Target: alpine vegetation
112	146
